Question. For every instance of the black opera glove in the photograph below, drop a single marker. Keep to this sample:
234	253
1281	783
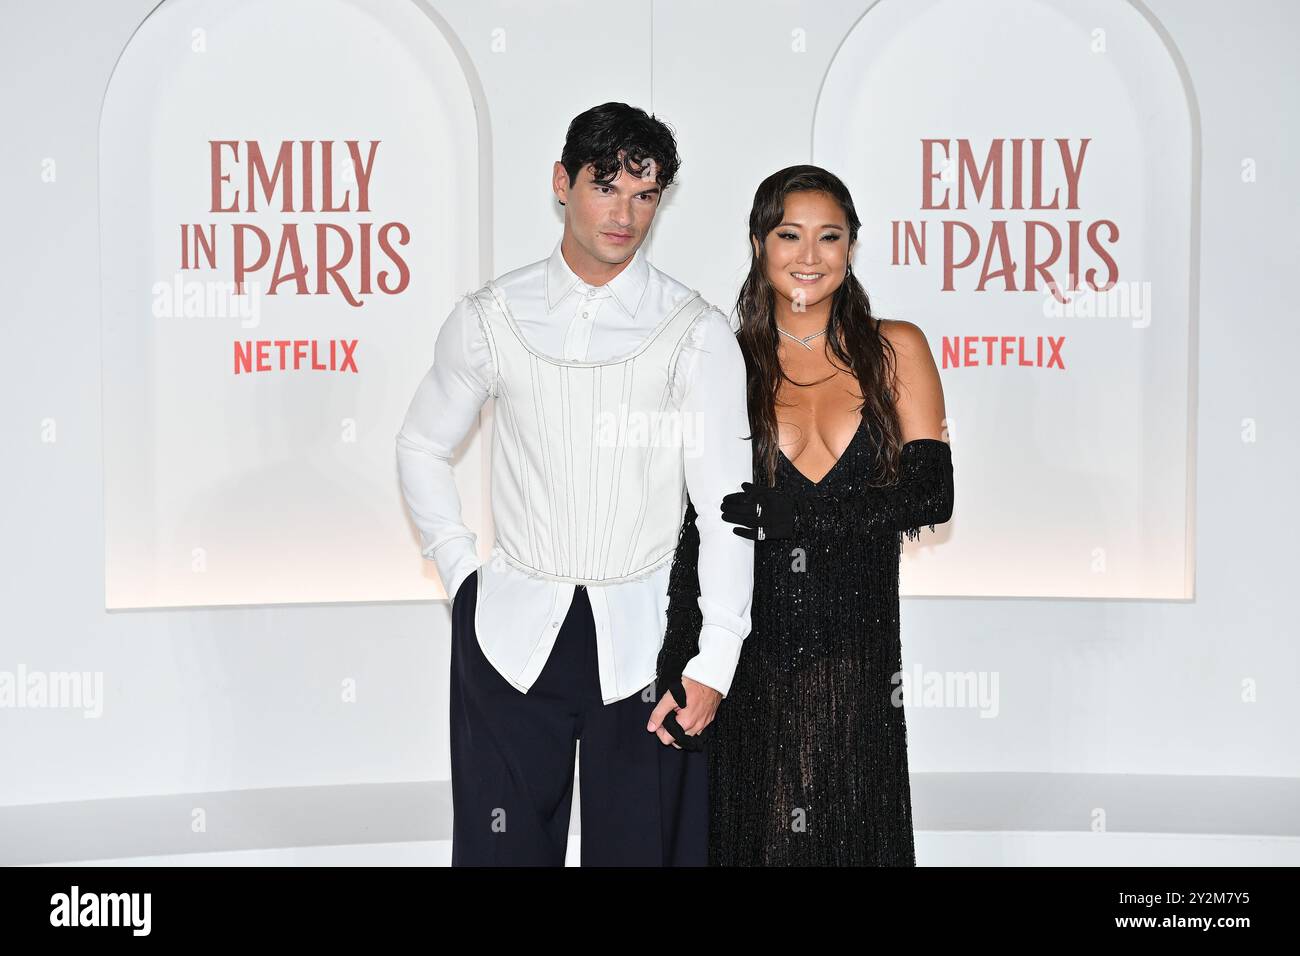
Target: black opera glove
760	513
684	740
682	633
922	496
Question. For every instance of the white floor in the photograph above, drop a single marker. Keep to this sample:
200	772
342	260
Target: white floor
962	819
932	849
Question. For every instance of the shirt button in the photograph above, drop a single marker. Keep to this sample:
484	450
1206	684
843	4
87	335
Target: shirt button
585	314
555	624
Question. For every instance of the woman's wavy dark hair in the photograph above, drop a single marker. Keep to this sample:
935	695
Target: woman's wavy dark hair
852	332
597	136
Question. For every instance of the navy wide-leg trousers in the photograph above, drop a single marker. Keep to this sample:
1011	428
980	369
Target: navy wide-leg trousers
643	803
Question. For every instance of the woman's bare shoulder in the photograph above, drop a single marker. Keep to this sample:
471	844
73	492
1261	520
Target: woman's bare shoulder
903	334
918	391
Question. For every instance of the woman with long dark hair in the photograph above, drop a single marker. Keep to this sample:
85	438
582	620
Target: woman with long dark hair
808	752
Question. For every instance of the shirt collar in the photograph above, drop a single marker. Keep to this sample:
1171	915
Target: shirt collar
627	287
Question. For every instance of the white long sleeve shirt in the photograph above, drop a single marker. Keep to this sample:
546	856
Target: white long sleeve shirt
518	616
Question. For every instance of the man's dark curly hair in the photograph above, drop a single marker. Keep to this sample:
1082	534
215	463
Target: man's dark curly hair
597	136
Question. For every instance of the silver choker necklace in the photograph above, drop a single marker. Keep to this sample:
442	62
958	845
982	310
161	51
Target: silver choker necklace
802	341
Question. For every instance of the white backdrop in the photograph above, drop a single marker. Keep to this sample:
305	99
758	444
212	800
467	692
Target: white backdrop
237	698
239	470
994	149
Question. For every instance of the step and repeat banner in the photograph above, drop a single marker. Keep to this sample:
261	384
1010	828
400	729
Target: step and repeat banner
293	196
290	203
1023	171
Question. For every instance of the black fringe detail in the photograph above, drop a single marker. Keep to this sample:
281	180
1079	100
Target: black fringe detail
682	636
808	761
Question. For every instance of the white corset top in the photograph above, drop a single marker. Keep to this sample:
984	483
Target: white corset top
588	483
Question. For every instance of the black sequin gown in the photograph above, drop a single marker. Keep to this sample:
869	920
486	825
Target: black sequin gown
808	751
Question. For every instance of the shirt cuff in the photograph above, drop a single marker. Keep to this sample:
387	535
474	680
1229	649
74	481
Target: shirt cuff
715	664
456	559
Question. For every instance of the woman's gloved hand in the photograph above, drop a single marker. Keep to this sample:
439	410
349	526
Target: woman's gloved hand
686	741
761	513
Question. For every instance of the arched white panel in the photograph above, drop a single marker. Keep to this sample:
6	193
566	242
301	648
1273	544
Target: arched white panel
237	470
1071	481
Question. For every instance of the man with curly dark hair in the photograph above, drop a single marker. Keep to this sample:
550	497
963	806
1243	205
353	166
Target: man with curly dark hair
618	389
